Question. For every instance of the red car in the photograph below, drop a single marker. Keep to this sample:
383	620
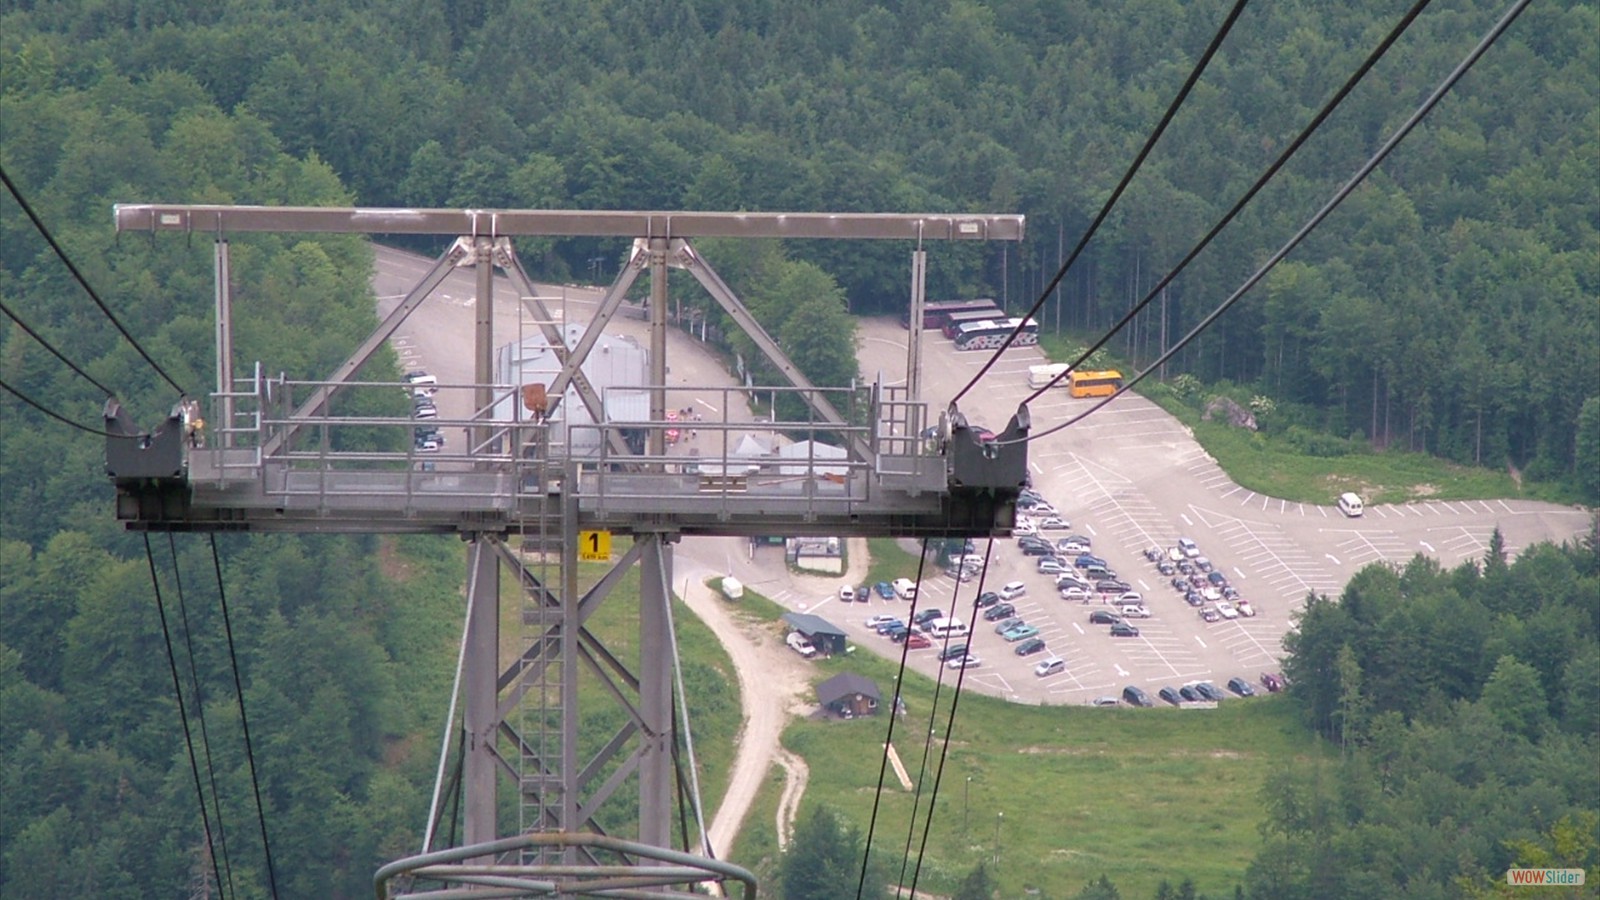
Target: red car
917	641
1273	683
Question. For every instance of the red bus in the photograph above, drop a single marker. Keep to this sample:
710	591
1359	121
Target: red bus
935	314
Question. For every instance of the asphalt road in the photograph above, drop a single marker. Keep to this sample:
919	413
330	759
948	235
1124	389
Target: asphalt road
1129	476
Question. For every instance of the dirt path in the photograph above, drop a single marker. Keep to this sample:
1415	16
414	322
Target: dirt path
772	685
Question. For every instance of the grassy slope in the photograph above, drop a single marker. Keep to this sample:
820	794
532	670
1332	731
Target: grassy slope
1140	795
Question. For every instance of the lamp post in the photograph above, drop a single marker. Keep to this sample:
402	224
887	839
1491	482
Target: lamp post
998	819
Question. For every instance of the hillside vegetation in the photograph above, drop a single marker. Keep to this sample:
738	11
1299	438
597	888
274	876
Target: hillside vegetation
1448	308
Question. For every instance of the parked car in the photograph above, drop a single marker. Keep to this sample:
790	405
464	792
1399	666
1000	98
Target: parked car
1135	696
1180	584
1012	590
1272	682
1041	548
1210	614
863	594
917	641
1194	598
1112	586
905	588
1208	691
999	611
1188	547
1154	554
425	409
1071	547
1241	687
876	622
1054	523
1166	568
1105	701
987	599
1055	665
964	661
895	632
1006	625
847	594
1133	597
1169	694
1104	617
1203	563
1020	633
1217	579
952	651
1244	608
1030	647
1134	611
884	589
1050	565
1226	610
798	643
1123	629
1024	527
1073	592
1188	692
1085	560
925	616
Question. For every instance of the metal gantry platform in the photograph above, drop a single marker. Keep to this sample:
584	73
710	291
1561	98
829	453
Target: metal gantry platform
547	459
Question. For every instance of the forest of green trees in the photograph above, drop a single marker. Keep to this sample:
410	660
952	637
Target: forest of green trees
1450	306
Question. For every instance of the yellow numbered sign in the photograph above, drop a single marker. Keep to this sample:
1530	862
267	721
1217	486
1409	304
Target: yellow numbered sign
594	546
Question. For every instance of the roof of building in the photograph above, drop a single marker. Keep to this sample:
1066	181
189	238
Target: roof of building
810	624
843	685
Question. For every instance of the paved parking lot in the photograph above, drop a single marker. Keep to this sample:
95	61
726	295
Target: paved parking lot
1131	477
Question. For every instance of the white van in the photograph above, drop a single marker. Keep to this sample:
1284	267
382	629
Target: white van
905	589
798	643
1350	504
1043	376
732	588
946	628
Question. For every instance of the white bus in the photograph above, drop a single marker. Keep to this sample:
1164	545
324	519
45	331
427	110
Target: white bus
1042	376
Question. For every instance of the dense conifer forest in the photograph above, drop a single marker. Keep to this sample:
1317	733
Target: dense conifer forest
1450	306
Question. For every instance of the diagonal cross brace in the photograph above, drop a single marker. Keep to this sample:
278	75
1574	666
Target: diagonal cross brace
507	259
437	273
683	256
602	318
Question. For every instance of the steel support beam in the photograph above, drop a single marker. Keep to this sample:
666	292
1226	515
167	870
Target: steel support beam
655	695
182	217
479	722
224	325
658	344
919	273
483	344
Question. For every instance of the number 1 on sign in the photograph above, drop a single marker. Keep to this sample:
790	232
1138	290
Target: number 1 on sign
594	546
